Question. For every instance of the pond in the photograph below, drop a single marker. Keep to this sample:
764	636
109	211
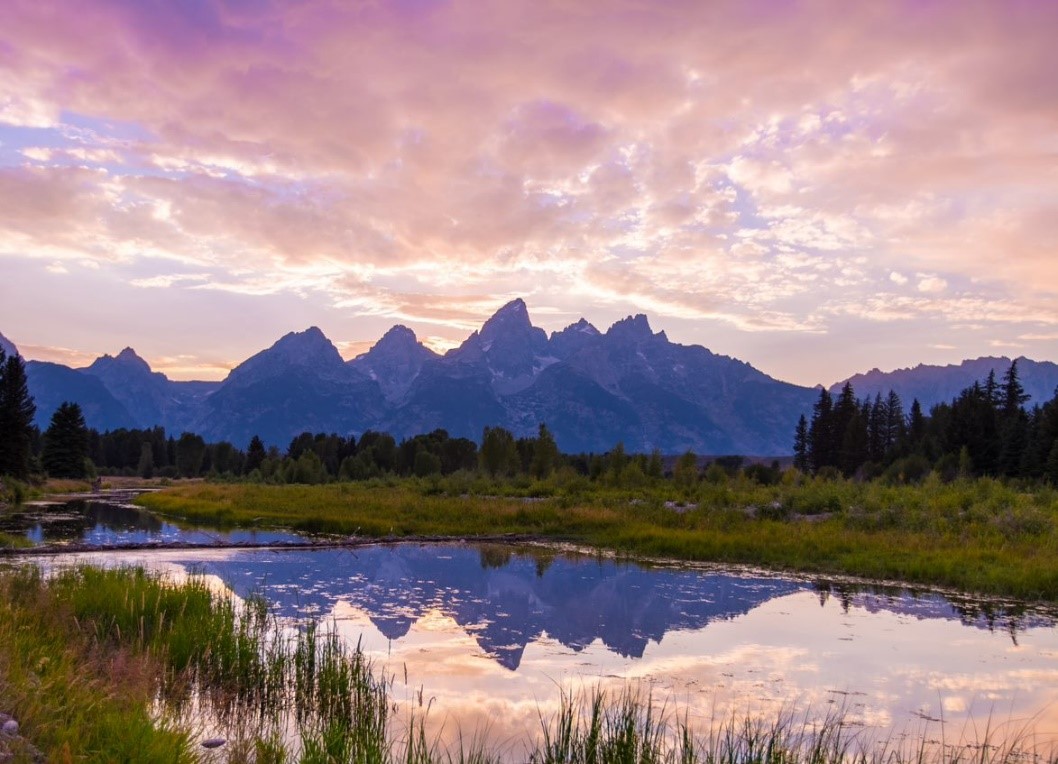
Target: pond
108	522
490	637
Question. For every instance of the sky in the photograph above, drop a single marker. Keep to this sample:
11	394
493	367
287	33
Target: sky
817	187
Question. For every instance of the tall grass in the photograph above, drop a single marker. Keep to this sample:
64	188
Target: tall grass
189	646
977	535
630	728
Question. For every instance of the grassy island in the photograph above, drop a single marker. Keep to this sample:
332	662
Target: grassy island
977	535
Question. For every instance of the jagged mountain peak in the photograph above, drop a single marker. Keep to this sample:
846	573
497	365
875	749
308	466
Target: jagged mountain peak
306	345
398	333
125	365
8	346
394	361
307	349
127	358
127	354
573	338
632	328
581	327
512	318
398	341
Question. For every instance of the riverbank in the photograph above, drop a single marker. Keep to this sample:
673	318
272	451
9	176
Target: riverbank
977	536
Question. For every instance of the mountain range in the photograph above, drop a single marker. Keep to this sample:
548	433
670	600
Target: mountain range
936	384
593	389
506	601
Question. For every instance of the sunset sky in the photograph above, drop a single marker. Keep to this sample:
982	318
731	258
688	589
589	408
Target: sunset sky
816	188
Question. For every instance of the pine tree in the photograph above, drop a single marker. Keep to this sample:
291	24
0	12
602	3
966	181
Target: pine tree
1051	469
16	418
849	432
894	422
801	460
877	429
821	449
190	452
991	389
66	443
145	467
1012	395
916	425
255	454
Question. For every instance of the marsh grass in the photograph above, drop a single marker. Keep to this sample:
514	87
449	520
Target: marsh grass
628	727
980	535
122	665
86	652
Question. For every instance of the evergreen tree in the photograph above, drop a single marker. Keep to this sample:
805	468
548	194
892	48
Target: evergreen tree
853	443
916	425
877	429
991	389
1051	468
145	468
16	418
66	443
255	454
800	447
895	427
190	452
1012	395
1013	443
849	432
821	449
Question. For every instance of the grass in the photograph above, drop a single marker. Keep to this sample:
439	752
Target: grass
979	536
87	653
94	662
74	697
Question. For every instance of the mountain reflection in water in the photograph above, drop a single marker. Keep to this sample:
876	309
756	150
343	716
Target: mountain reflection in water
493	637
106	523
507	600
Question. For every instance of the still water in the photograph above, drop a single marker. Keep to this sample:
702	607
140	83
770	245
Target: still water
492	636
106	523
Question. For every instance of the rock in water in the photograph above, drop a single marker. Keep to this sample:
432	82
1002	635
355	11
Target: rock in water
213	742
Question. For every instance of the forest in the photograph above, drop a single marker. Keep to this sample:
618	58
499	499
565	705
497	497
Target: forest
985	431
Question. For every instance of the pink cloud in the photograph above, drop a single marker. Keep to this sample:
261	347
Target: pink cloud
690	156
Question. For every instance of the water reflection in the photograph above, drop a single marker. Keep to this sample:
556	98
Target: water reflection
504	605
493	636
106	523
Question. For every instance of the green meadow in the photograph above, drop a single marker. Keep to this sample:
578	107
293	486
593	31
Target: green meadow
976	535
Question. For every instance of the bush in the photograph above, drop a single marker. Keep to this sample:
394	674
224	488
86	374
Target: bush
910	469
762	474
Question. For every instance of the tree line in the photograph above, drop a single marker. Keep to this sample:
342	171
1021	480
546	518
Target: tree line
69	449
984	431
